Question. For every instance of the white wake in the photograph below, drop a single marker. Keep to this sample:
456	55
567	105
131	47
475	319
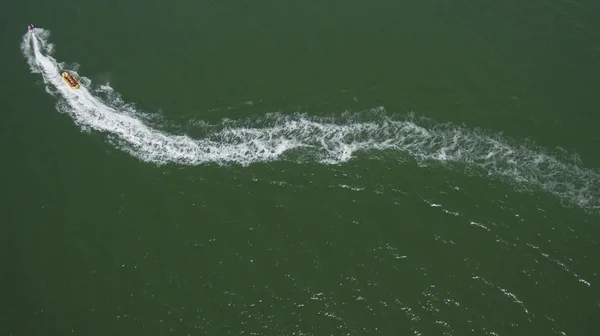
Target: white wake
302	137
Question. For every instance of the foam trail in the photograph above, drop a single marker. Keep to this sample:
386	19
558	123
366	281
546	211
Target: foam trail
326	140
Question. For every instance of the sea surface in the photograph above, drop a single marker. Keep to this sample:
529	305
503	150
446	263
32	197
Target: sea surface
300	168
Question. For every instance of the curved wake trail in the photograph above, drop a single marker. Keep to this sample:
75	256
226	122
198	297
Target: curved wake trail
325	140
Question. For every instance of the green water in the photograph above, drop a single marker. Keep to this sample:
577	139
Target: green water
351	168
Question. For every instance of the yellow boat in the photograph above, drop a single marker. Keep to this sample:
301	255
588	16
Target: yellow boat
69	79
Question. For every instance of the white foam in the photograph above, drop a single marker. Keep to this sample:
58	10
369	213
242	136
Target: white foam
299	136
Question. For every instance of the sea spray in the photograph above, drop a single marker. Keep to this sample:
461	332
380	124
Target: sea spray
327	140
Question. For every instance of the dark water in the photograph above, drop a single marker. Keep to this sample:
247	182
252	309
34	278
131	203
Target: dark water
301	168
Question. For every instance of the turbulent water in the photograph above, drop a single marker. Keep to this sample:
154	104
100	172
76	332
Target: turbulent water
301	137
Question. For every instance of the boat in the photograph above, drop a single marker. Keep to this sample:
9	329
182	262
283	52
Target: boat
69	79
31	27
